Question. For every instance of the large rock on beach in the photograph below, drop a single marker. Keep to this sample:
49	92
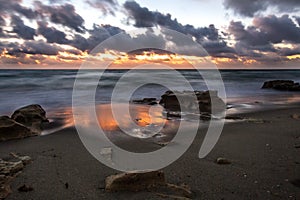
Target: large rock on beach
31	116
151	181
10	129
192	100
287	85
24	122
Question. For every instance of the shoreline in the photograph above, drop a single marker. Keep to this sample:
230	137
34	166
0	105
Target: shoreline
265	163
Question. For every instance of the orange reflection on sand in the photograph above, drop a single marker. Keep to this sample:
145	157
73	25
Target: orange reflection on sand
141	115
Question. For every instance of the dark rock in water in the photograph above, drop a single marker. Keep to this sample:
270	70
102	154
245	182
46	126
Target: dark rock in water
10	129
31	116
134	181
192	100
146	101
287	85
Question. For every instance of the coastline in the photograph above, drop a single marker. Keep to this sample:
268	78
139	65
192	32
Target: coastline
265	163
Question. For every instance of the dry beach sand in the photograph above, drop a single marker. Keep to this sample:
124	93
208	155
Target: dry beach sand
264	154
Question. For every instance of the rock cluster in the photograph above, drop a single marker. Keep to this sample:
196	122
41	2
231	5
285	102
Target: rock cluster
24	122
189	101
287	85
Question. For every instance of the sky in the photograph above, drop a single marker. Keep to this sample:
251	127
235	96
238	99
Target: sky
243	34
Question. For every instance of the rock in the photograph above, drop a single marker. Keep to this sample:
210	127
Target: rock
10	129
288	85
295	116
203	101
5	189
223	161
152	181
174	191
8	171
25	188
134	181
146	101
25	159
31	116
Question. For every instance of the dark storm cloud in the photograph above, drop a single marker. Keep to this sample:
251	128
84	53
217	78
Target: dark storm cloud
143	17
21	29
290	52
298	20
64	15
97	35
207	36
15	6
216	48
260	38
32	47
51	34
250	8
266	31
106	6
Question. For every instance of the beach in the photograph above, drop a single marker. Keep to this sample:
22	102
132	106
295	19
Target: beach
263	153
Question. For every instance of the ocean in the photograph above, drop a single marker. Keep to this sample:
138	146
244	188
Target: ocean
53	88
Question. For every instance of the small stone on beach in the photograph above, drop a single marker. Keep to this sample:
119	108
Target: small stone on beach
223	161
134	181
296	116
25	188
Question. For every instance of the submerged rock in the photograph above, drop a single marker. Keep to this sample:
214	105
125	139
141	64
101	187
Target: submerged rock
287	85
146	101
192	100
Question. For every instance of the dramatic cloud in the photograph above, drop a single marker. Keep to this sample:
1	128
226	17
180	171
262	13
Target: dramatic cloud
290	52
14	6
297	19
64	15
250	8
106	6
269	39
266	31
207	36
97	35
51	34
33	47
21	29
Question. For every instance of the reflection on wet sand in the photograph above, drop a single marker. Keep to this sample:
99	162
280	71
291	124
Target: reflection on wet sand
142	122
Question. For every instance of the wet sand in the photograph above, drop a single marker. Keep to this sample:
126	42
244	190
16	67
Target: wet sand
265	163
